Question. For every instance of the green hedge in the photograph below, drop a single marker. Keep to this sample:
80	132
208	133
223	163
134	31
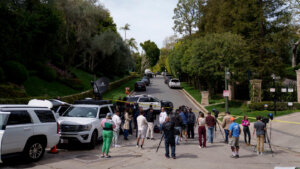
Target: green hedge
280	106
15	72
70	98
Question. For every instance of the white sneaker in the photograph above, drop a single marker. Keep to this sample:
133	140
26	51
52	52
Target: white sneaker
200	147
137	146
117	146
257	153
261	153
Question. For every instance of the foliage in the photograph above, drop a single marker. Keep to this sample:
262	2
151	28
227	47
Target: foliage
2	76
152	52
15	72
10	90
280	106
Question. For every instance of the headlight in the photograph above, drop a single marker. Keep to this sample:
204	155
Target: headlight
84	127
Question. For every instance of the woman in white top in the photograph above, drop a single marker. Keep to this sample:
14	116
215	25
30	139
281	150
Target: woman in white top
201	130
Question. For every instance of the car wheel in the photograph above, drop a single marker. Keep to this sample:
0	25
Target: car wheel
34	150
94	139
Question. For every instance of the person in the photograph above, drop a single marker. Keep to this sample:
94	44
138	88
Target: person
201	130
210	122
234	135
246	130
259	128
137	110
225	124
162	117
183	116
191	123
168	128
142	125
150	120
126	124
178	123
108	125
117	120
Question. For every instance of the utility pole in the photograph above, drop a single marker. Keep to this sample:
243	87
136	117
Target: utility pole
226	87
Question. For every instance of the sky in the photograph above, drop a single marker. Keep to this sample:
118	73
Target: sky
148	19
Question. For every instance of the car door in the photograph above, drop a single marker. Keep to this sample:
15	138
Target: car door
18	129
155	103
3	121
144	103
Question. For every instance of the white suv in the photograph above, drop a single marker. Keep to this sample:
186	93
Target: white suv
174	83
81	122
27	130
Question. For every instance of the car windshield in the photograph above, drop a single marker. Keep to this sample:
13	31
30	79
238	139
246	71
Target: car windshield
132	99
140	83
175	81
88	112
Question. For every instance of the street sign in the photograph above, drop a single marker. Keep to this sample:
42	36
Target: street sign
290	103
290	90
283	90
272	90
226	93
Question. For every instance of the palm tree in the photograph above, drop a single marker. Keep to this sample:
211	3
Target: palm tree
132	44
125	28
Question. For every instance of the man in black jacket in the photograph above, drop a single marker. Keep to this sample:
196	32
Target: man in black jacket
150	119
191	123
178	124
169	133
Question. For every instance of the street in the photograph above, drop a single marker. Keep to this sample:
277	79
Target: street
189	155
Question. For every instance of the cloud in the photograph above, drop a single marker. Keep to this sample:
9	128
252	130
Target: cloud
148	19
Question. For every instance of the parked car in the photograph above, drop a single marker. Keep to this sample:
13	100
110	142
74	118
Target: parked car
81	122
174	83
145	101
59	107
27	130
146	81
140	86
167	79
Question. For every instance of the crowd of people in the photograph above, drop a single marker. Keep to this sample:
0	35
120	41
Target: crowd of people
177	127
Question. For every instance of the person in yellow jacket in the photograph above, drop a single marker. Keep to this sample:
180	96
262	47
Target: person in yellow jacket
225	124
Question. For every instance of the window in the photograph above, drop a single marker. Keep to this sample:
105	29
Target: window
112	109
18	117
132	99
3	120
88	112
45	116
62	110
144	99
153	99
103	112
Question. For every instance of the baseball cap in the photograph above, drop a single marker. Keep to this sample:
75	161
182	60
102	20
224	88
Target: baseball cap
232	119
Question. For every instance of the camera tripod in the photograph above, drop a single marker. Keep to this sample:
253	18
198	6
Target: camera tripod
268	141
217	123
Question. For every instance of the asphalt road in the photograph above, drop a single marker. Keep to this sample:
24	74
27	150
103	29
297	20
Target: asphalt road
216	155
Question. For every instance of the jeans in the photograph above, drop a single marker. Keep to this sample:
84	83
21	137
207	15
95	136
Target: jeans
190	130
125	133
247	132
210	134
226	135
202	134
172	144
177	136
260	143
116	136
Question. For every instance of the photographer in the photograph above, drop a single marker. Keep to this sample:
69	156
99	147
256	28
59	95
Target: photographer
259	128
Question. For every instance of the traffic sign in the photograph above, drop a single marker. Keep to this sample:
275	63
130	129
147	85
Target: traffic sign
226	93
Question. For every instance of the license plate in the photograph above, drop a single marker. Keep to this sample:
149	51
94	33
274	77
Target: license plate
64	141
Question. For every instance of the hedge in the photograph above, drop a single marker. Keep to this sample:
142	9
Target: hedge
69	98
280	106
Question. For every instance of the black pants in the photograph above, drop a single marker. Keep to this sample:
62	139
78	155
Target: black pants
190	130
247	132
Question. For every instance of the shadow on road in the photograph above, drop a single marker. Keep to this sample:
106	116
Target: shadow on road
187	155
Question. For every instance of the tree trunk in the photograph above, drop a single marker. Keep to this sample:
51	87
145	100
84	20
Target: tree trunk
294	58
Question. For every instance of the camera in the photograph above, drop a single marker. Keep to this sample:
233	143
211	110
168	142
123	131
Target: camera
267	119
216	113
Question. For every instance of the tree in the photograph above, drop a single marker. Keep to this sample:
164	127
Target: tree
152	52
132	44
125	28
186	16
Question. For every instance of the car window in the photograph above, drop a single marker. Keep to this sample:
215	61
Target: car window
19	117
144	99
132	99
112	108
103	112
153	99
62	109
175	81
45	116
89	112
3	120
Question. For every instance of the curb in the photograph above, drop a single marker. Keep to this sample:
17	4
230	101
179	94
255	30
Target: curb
200	107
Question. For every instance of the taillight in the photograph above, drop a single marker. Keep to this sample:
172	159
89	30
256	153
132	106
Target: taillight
57	127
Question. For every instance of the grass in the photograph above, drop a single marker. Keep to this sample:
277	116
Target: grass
191	90
35	86
119	91
240	109
85	77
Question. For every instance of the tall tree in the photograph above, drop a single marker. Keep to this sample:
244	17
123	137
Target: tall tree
186	16
132	44
152	52
125	28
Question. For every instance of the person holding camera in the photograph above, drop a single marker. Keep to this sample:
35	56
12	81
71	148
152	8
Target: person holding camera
246	130
168	128
178	123
259	128
225	124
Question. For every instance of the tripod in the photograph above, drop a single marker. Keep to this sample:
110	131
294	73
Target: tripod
160	141
217	123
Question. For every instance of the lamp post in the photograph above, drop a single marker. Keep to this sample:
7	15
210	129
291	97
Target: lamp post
227	77
274	77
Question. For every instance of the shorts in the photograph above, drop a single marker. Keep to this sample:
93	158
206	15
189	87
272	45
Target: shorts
234	141
141	134
184	128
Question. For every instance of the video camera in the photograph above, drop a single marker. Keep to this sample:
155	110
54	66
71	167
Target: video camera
267	119
216	113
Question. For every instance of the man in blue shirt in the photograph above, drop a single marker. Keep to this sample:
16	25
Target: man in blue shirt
234	135
184	117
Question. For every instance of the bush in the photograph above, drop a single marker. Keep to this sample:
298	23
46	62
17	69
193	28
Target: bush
74	83
45	72
15	72
280	106
11	91
2	76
